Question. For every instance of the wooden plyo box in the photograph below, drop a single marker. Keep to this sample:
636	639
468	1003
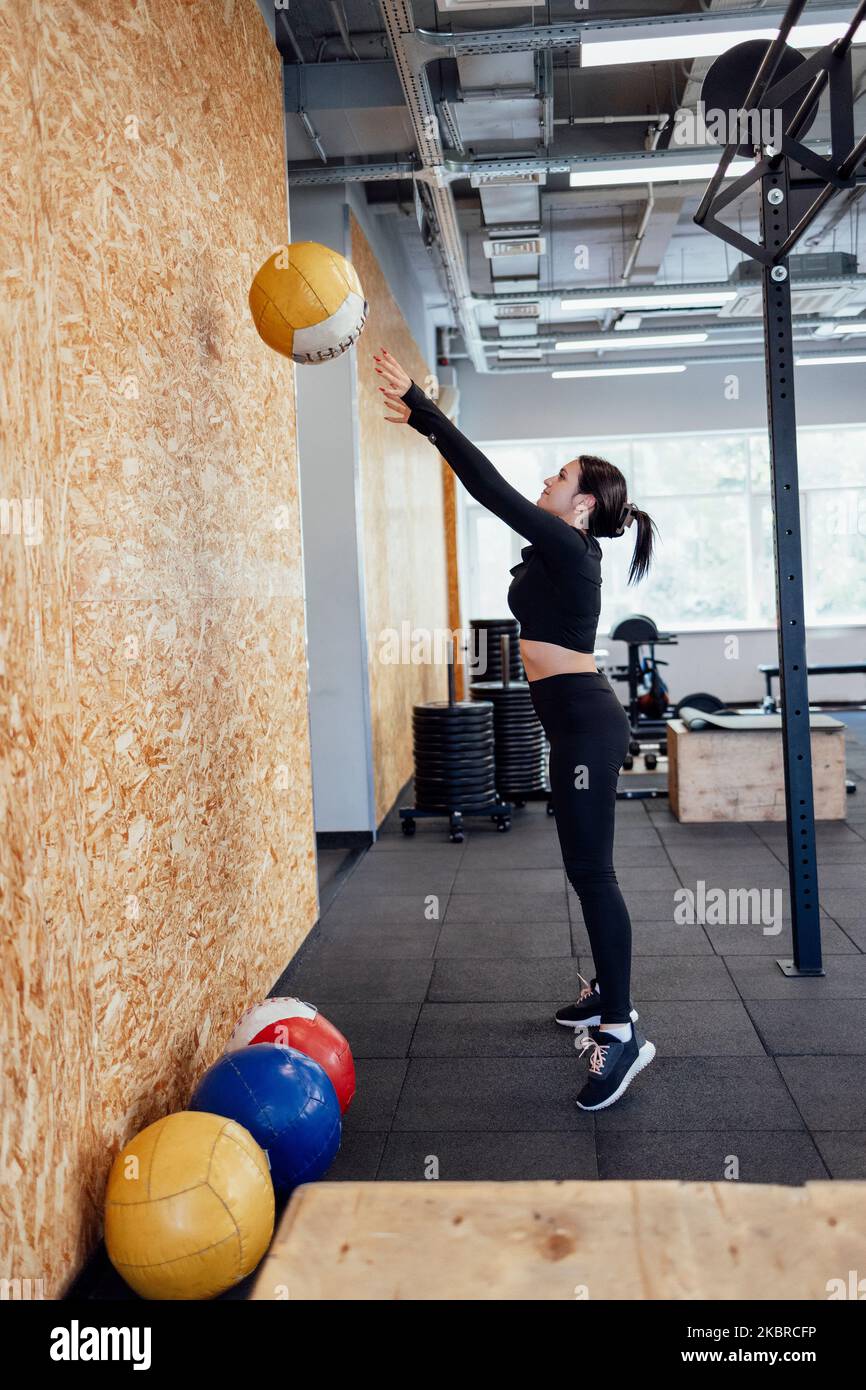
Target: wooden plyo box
738	775
566	1241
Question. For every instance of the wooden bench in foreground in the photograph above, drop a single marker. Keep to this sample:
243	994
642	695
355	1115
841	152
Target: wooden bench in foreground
567	1240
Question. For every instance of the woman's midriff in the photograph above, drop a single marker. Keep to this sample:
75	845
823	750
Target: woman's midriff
541	659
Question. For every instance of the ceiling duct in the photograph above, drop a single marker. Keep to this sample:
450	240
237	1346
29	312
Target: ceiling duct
826	264
825	300
400	27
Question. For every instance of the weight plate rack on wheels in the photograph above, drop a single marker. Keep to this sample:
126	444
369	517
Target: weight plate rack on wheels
455	764
519	742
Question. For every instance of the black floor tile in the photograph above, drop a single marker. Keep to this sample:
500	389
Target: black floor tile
786	1028
349	906
359	1156
380	1081
511	979
331	974
709	1028
492	1093
829	1091
844	1154
675	978
490	1030
385	940
711	1156
375	1030
704	1093
505	906
502	1157
502	880
761	978
490	940
755	941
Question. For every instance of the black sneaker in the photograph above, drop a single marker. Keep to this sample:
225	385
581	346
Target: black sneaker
613	1064
586	1012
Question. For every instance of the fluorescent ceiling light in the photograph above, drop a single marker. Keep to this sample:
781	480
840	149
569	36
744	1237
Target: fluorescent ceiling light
661	42
605	342
840	330
661	170
653	299
828	361
615	371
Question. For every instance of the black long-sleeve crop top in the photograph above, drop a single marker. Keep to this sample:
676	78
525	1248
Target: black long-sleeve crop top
556	591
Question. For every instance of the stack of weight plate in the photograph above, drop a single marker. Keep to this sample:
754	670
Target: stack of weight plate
455	765
520	745
486	654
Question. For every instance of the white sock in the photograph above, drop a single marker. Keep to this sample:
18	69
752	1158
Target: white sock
619	1030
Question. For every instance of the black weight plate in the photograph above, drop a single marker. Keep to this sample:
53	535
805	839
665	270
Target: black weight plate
449	790
455	745
436	708
457	772
727	82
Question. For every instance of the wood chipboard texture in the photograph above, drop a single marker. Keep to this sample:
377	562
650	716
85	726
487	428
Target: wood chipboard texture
566	1241
403	527
157	863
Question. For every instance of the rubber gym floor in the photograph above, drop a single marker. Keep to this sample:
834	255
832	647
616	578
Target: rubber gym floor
459	1062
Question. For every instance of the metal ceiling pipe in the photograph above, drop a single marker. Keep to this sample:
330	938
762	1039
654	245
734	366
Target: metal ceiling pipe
648	210
647	117
632	291
342	25
400	27
427	46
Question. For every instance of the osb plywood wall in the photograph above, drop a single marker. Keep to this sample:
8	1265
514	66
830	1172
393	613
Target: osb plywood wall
405	572
157	860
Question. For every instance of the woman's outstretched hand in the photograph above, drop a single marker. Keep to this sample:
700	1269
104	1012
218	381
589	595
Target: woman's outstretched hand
397	383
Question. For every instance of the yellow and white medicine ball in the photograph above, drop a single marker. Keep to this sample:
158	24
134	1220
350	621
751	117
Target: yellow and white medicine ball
189	1209
307	302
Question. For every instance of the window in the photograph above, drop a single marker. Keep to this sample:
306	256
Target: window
710	497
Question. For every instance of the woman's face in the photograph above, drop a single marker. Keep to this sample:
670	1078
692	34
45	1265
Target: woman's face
562	494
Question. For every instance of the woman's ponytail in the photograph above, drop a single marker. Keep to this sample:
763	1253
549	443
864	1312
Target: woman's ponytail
612	514
644	542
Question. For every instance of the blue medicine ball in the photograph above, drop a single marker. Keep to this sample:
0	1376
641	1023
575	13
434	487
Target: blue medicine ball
285	1100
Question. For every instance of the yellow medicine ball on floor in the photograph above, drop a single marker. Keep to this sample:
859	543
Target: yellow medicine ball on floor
307	302
189	1209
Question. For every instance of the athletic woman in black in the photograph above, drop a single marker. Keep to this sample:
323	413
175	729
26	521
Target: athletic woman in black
556	597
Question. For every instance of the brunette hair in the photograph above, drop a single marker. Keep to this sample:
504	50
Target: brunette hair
613	512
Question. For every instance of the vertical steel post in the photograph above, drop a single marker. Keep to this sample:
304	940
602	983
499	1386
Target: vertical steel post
794	697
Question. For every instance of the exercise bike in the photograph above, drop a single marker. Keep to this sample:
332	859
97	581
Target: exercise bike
649	707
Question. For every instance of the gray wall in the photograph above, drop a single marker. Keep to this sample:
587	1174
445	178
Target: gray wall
333	574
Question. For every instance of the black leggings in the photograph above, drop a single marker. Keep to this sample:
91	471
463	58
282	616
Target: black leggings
589	736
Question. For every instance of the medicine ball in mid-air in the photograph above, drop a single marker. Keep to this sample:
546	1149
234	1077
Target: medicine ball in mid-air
189	1208
286	1102
296	1024
307	302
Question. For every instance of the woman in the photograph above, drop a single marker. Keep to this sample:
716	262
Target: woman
556	596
